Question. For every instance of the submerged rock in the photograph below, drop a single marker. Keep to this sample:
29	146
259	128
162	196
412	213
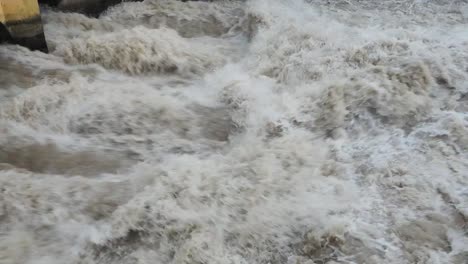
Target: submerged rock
90	7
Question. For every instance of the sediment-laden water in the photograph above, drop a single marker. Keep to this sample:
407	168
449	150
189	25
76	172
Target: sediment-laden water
260	131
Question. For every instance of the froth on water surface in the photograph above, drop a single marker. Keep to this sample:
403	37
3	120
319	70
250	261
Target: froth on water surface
260	131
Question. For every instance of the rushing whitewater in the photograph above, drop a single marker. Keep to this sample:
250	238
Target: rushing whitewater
260	131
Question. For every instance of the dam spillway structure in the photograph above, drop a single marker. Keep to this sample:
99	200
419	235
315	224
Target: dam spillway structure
20	23
20	20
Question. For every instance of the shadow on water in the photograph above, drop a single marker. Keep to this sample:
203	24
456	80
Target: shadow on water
48	158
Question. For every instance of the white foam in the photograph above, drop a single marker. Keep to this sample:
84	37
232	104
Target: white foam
259	131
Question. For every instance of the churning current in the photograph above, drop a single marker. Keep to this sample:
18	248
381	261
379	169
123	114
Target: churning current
239	132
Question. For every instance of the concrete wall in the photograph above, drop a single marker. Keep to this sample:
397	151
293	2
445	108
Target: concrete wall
21	24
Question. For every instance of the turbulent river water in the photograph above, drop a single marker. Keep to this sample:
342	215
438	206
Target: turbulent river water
260	131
